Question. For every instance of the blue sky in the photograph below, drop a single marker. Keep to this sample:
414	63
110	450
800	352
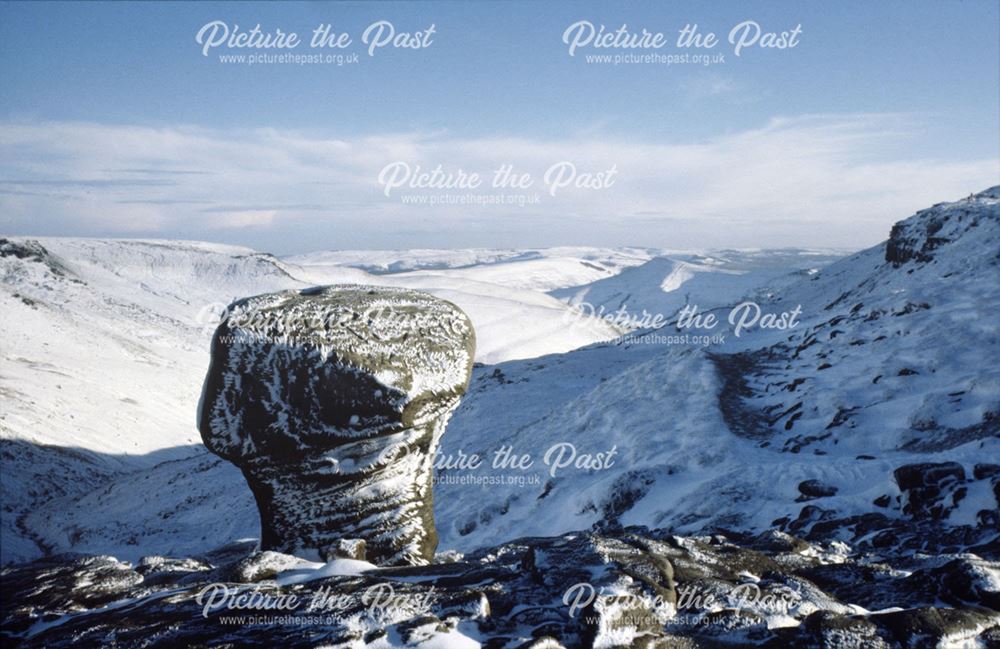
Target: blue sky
881	108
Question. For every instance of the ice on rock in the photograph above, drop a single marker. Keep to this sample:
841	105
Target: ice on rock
332	400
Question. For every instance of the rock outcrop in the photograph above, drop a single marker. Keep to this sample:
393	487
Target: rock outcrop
932	490
920	236
331	401
631	588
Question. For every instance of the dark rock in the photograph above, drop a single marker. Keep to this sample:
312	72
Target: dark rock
966	580
348	549
332	402
31	250
930	490
62	583
156	570
885	539
984	471
930	627
263	565
911	476
816	489
636	587
777	542
828	629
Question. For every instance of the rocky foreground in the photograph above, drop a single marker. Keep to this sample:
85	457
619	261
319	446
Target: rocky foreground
634	587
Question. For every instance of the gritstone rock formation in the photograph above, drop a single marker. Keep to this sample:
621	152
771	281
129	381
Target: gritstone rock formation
631	588
331	401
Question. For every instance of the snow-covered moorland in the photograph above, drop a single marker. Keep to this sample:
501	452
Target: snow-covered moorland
106	347
873	422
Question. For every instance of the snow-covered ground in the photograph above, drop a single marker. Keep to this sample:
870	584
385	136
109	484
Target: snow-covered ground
664	284
105	347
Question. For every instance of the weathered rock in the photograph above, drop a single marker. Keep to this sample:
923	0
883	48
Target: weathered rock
931	490
348	549
934	627
63	582
32	250
919	237
634	587
332	401
985	471
157	570
826	629
816	489
263	565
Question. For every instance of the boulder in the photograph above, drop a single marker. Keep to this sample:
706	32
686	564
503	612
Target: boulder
930	489
332	400
816	489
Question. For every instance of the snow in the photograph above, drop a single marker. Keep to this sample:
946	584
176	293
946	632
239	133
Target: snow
113	367
103	359
312	570
664	284
497	263
140	311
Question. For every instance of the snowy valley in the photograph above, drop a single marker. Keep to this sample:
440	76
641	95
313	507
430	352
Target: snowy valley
870	428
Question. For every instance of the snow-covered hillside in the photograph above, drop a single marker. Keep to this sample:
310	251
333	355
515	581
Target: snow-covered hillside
664	284
873	420
491	263
876	413
104	341
503	291
105	349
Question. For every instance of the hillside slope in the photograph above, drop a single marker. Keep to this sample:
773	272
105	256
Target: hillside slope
105	346
872	421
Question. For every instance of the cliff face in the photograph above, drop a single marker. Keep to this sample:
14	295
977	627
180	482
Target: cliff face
332	402
918	237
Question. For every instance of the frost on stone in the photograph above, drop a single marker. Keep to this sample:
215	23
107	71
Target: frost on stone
332	400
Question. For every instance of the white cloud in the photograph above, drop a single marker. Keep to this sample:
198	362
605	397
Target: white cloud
835	180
